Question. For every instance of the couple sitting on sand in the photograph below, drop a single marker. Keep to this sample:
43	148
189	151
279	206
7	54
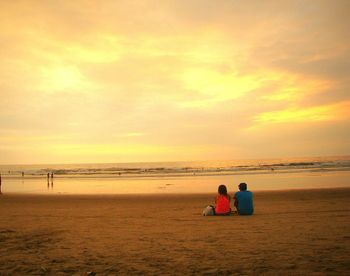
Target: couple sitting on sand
243	201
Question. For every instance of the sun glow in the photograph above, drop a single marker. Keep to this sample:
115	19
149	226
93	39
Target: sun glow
62	78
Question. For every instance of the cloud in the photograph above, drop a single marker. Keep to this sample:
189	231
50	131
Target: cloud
132	134
331	112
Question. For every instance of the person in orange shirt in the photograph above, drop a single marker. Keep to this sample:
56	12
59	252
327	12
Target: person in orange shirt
222	202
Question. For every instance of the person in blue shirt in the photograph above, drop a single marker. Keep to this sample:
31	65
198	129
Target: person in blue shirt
243	200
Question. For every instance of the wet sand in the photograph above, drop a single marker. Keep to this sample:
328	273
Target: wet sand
292	232
173	185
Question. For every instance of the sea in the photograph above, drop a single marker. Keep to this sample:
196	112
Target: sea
176	177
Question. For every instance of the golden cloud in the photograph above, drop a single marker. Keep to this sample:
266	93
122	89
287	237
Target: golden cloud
330	112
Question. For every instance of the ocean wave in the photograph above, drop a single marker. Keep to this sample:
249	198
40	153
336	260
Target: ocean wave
178	168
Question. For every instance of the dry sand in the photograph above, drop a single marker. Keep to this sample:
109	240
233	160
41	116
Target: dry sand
293	232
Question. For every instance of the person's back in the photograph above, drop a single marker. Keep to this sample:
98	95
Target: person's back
244	200
222	201
222	205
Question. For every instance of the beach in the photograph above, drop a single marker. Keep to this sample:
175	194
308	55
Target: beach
122	121
292	232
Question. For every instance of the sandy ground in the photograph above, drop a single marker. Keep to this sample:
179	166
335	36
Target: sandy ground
293	232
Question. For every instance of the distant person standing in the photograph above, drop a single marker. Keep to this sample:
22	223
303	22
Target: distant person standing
22	174
243	200
51	180
48	177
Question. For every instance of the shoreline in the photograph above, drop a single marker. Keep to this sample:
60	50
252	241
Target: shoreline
179	185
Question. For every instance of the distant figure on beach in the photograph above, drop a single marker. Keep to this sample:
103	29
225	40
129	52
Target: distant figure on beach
222	204
244	200
48	177
51	175
22	174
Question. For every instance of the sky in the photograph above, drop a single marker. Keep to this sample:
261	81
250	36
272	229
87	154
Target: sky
145	81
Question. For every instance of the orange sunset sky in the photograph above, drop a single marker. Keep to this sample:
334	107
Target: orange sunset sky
129	81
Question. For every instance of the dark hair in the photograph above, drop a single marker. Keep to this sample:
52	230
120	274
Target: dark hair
222	190
242	186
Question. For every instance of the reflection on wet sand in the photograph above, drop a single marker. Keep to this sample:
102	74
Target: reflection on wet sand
48	184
